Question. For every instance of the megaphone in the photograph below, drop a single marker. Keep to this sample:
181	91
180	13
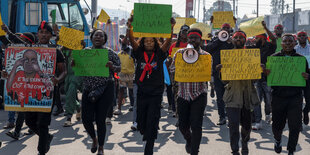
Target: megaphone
190	55
223	35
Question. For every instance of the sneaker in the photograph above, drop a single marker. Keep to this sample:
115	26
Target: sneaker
9	126
67	123
134	126
277	146
222	121
13	135
268	119
257	126
117	112
212	93
48	144
130	108
108	121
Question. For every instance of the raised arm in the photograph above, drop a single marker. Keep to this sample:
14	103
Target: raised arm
271	36
167	42
132	40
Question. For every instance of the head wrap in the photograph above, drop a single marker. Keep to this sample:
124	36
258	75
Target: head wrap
279	25
238	33
44	25
302	32
194	33
225	25
264	36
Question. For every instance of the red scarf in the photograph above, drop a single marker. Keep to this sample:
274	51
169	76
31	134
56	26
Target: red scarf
148	67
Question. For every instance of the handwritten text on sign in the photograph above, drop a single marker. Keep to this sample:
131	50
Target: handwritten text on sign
240	64
286	71
91	62
71	38
199	71
221	17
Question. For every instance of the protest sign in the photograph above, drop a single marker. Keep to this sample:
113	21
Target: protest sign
103	17
240	64
70	38
91	62
286	71
204	28
29	86
2	33
174	50
200	71
253	27
152	20
53	14
180	21
221	17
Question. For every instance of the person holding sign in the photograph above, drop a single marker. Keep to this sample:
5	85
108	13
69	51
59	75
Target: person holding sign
149	77
303	48
214	48
192	99
240	98
287	101
98	94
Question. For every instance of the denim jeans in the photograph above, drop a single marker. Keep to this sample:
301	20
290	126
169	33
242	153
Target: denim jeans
11	116
219	89
264	92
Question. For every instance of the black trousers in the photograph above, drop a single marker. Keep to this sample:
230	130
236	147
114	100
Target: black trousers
170	97
19	122
97	112
290	109
38	122
190	120
236	117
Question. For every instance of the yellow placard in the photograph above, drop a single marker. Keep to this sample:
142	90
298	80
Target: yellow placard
103	17
204	28
180	21
241	64
174	50
221	17
70	38
2	33
200	71
253	27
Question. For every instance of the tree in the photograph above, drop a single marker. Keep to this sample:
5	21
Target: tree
277	6
215	7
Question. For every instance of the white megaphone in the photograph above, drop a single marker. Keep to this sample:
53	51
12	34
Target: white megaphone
223	35
190	55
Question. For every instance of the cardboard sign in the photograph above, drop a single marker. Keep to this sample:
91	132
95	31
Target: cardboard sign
174	50
103	17
2	33
29	86
180	21
204	28
221	17
241	64
70	38
91	62
253	27
200	71
286	71
152	20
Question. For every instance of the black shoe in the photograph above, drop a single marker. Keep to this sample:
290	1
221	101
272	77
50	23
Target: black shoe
94	149
9	126
188	146
30	132
222	121
290	152
306	117
13	135
277	147
58	112
212	93
48	144
235	153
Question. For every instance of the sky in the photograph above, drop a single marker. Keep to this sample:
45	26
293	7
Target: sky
178	6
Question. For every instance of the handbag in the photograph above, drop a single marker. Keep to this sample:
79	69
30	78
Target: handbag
94	95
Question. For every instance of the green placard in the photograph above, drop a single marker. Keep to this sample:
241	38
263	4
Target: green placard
90	62
53	14
152	18
286	71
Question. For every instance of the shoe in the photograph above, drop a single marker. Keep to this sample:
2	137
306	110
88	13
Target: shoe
94	149
222	121
100	153
268	119
58	112
188	146
306	117
134	126
277	146
30	132
235	153
13	135
108	121
78	116
257	126
290	152
117	112
130	108
48	144
67	123
9	126
212	93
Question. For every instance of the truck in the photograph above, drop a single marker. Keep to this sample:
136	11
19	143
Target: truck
25	15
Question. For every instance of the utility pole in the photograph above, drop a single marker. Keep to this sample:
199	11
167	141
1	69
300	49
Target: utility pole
257	9
282	7
93	10
234	6
293	16
198	9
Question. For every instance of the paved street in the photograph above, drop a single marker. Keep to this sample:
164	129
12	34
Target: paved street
120	140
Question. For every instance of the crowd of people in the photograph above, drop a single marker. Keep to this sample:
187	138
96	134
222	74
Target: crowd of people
141	65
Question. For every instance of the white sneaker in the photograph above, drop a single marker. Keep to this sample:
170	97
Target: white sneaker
268	119
108	121
257	126
117	112
134	126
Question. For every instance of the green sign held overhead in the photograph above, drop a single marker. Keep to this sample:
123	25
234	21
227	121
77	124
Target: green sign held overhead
286	71
91	62
152	18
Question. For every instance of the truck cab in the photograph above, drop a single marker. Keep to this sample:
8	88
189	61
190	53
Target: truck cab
26	15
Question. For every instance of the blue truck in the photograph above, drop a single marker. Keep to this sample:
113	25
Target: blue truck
26	15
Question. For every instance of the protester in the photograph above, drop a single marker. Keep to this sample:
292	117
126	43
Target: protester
287	102
192	100
240	97
278	30
150	80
